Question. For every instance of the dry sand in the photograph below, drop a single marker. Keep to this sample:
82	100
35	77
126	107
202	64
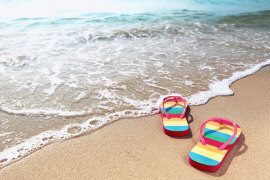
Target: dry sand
138	148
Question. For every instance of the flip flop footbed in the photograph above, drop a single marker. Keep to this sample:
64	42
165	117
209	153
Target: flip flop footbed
174	110
215	134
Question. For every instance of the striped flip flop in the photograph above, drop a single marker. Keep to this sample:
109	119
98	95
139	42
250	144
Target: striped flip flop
173	111
220	136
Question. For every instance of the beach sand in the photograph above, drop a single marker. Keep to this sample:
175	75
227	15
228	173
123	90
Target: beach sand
138	148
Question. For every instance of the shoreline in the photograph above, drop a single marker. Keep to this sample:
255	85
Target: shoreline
132	147
37	142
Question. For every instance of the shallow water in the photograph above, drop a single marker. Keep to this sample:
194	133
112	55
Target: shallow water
74	69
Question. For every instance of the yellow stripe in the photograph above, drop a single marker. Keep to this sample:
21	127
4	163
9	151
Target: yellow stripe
211	148
169	104
172	106
173	102
175	123
207	153
175	119
222	125
223	129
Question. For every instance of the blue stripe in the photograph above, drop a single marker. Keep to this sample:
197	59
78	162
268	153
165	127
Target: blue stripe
176	128
220	134
202	159
176	110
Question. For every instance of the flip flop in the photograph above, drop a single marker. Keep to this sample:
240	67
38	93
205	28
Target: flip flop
220	136
173	111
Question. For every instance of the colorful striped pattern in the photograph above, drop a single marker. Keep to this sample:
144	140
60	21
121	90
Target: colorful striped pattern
173	108
208	154
221	133
174	124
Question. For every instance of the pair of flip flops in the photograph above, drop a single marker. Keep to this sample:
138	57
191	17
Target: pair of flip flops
219	138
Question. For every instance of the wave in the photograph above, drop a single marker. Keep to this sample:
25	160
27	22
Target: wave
44	112
185	22
151	25
255	19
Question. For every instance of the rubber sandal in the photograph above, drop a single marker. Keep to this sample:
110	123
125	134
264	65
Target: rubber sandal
220	136
173	111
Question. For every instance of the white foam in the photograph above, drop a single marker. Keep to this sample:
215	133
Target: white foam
188	83
206	67
222	88
106	93
43	112
82	95
5	134
54	79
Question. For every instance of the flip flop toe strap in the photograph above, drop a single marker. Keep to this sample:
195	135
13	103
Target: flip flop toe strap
174	97
221	120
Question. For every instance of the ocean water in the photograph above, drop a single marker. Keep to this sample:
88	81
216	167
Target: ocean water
67	68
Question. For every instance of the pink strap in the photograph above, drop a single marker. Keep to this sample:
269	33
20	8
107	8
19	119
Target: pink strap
221	120
170	97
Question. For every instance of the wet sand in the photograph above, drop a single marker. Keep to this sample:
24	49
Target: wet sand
138	148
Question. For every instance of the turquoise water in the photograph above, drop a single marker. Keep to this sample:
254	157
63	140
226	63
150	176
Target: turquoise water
67	68
61	8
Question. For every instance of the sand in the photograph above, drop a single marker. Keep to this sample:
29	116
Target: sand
138	148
